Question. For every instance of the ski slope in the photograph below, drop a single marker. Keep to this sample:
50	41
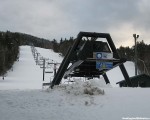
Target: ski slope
25	74
22	96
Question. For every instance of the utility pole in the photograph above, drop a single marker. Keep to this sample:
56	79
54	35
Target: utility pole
55	69
3	64
37	54
135	58
43	69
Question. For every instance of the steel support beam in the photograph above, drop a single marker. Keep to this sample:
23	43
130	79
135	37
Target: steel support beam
106	78
64	65
116	55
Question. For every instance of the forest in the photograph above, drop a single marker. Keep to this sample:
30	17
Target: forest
143	56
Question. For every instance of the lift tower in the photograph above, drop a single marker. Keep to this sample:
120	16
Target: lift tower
90	57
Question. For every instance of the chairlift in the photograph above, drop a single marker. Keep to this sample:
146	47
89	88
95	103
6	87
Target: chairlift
90	58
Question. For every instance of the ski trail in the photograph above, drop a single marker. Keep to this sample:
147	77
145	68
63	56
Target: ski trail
25	75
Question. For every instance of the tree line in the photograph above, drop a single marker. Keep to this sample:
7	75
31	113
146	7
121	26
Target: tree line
143	56
62	46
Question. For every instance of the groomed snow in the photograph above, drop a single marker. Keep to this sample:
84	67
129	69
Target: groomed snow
22	96
115	74
57	104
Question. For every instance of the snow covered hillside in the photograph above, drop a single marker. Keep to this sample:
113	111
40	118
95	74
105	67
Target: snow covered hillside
26	74
22	96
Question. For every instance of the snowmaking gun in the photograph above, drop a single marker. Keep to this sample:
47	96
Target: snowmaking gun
90	57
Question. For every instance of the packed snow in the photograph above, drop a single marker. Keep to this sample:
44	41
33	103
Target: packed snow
22	96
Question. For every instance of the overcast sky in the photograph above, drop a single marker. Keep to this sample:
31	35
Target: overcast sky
64	18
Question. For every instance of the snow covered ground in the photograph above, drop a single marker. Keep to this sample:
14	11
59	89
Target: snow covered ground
115	74
22	96
59	105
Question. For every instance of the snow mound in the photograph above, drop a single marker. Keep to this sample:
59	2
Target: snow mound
79	87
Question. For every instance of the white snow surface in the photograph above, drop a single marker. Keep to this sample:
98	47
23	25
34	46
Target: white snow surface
115	75
22	96
48	53
57	104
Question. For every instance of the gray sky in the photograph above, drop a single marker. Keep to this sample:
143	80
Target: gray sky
64	18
